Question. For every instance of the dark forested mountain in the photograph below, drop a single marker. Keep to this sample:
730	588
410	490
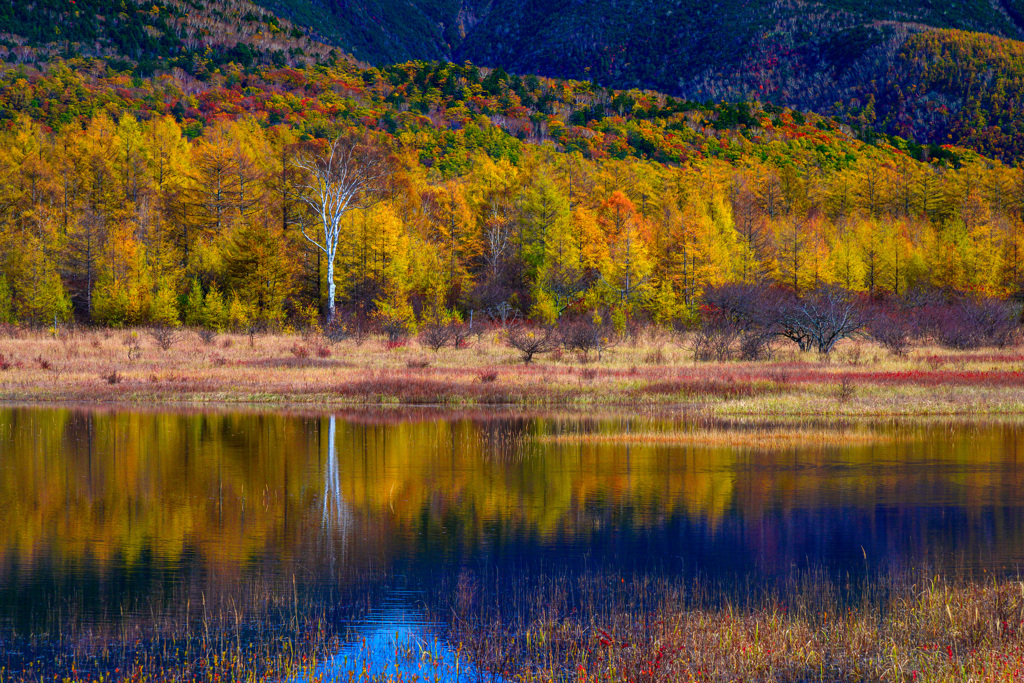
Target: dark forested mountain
855	59
701	48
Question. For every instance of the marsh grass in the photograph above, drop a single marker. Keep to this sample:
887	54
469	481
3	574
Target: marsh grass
860	379
807	626
608	628
257	632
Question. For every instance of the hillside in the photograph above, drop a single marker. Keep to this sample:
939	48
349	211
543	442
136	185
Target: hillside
192	35
851	58
658	44
170	199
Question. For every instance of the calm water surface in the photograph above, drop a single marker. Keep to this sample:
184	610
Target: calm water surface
109	516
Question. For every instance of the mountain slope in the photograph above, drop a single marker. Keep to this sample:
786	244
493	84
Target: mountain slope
878	67
864	62
665	45
153	35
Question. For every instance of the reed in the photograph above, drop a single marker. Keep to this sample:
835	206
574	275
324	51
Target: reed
807	626
610	628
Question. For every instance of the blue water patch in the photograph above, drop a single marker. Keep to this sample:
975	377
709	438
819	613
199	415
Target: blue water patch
395	646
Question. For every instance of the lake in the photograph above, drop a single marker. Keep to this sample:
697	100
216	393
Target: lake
118	520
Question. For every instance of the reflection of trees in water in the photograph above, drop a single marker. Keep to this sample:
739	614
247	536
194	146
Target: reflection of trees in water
234	488
336	517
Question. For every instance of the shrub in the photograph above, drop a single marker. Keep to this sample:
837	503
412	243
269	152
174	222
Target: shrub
714	337
891	329
396	319
165	337
345	326
437	335
756	344
503	313
133	345
974	323
460	335
656	357
586	334
396	331
845	389
530	342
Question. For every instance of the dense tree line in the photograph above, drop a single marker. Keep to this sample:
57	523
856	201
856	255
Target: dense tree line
130	222
176	201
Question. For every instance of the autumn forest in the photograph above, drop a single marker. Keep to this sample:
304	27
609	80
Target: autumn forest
169	201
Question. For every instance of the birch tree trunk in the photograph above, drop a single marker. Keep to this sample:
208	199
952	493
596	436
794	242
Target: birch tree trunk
349	174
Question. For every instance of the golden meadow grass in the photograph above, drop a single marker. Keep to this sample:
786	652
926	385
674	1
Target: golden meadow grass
655	373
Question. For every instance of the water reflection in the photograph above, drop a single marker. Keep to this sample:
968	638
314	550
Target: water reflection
337	516
122	513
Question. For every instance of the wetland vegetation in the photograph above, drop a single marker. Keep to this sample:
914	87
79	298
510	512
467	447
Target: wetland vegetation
654	373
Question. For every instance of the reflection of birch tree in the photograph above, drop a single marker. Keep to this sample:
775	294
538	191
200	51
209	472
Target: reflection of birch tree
336	516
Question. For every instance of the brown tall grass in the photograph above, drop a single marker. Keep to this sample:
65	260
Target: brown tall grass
281	370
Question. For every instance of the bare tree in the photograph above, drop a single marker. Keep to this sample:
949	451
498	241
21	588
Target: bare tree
503	313
530	342
349	174
822	318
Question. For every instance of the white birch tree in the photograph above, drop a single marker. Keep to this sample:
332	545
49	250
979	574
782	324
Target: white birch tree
348	175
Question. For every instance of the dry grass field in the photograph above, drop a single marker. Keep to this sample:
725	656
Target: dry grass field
655	372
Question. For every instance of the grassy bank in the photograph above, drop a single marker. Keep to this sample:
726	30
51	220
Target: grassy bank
654	372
